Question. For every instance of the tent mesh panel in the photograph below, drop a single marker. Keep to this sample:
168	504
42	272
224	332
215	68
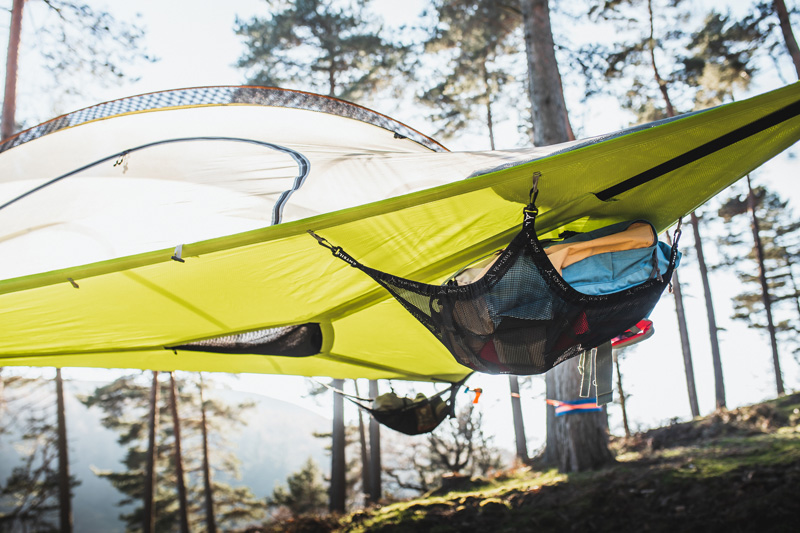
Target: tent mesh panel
291	341
225	95
521	317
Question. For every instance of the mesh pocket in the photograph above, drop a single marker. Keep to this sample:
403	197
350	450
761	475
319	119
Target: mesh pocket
521	317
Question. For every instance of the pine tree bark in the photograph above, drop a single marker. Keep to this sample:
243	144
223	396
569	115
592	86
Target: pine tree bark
765	296
176	425
64	492
489	118
150	473
338	468
376	490
362	440
574	442
686	349
548	110
8	124
622	396
519	424
788	36
211	523
719	382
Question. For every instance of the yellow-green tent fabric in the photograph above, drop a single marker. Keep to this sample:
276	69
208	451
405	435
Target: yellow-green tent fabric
132	227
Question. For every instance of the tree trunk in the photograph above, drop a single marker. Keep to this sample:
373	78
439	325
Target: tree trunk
579	441
64	492
662	85
719	382
376	491
8	124
338	469
788	36
795	289
575	442
765	296
211	523
685	346
519	425
622	396
150	474
176	425
548	110
489	118
362	439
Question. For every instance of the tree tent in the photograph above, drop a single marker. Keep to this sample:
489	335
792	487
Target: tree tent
168	231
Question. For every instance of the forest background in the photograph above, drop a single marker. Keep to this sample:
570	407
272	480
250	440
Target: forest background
196	45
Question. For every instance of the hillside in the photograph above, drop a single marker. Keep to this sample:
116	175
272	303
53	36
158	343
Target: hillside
732	471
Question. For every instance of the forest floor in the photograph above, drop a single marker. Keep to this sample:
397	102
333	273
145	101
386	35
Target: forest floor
732	471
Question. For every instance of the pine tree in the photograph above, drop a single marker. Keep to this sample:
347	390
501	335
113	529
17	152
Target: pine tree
375	470
73	41
36	495
304	492
766	31
551	126
64	479
705	67
125	404
338	496
183	513
319	45
473	37
773	305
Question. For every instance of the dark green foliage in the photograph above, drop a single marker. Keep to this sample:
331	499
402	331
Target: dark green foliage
759	29
124	403
318	45
472	37
721	59
701	59
780	237
29	496
304	492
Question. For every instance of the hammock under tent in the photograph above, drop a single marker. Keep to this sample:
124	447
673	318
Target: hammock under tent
168	231
412	416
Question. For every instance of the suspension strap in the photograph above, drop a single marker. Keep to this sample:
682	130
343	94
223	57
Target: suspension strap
585	370
337	251
338	391
603	373
530	211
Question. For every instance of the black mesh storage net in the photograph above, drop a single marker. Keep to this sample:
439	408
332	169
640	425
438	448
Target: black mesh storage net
521	317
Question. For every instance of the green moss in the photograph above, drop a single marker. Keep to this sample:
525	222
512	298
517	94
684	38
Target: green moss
675	483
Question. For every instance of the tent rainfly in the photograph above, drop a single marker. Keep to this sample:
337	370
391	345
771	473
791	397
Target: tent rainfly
168	231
